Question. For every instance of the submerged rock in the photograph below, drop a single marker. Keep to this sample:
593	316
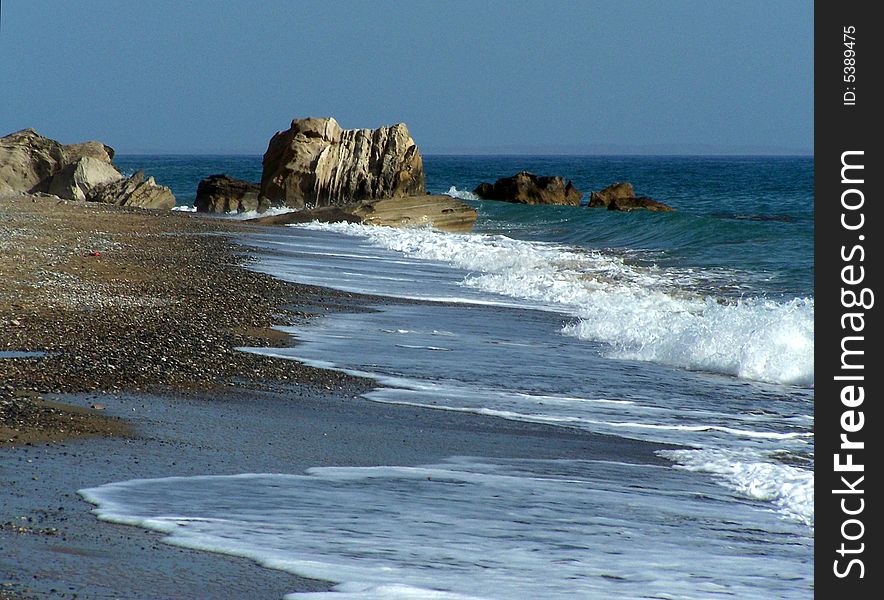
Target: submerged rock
316	163
30	161
621	197
134	191
641	203
528	188
224	194
441	212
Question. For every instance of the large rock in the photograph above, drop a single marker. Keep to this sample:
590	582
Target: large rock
441	212
316	163
77	180
528	188
621	197
614	191
224	194
134	191
29	161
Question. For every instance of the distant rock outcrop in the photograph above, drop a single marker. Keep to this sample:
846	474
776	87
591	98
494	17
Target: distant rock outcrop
528	188
316	163
134	191
224	194
441	212
29	162
616	190
621	197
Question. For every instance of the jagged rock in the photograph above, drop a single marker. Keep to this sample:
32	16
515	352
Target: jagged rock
29	161
621	197
528	188
223	194
441	212
641	203
616	190
134	191
316	163
76	180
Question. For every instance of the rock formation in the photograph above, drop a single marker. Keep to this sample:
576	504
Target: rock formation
224	194
33	164
134	191
621	197
441	212
528	188
640	203
616	190
77	179
30	161
316	163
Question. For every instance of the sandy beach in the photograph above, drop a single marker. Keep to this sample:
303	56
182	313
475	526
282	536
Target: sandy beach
139	314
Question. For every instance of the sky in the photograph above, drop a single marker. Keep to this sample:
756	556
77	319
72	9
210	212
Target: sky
480	76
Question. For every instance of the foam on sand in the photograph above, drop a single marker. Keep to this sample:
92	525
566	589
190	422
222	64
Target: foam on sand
469	528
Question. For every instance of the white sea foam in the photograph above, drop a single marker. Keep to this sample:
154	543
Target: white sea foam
251	214
789	488
469	528
461	194
643	314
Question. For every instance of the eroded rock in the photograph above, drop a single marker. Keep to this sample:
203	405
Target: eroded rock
441	212
134	191
77	180
621	197
317	163
614	191
528	188
30	161
224	194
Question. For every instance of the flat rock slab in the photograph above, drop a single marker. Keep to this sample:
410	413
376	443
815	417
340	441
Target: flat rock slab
439	211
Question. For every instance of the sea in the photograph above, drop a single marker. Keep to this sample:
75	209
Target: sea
691	329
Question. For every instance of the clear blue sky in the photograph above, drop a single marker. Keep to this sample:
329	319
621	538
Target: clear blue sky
196	76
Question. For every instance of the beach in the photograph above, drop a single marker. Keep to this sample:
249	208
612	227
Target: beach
139	314
568	401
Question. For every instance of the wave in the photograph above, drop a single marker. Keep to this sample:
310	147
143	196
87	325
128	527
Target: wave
240	216
461	194
473	528
640	313
251	214
787	487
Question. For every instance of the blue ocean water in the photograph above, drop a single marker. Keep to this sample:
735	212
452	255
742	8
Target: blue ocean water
750	214
692	328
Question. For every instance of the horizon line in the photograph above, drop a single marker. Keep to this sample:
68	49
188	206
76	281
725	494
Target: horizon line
794	154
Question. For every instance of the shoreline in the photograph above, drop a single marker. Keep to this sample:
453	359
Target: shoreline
67	549
98	301
245	414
